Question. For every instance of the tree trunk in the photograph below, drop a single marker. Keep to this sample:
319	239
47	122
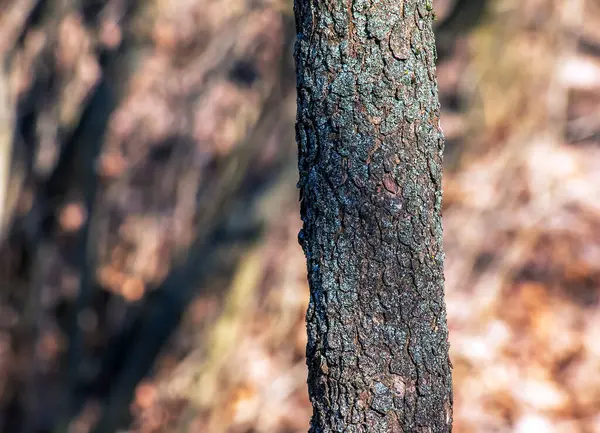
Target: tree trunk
370	161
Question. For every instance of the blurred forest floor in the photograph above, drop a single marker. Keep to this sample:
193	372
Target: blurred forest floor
149	267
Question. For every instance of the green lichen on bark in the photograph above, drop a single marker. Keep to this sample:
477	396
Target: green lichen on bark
370	162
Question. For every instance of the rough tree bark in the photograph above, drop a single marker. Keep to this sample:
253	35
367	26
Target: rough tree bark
370	161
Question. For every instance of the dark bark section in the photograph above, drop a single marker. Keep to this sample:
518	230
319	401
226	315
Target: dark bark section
370	161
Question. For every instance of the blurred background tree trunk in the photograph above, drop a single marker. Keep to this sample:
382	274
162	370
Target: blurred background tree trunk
133	129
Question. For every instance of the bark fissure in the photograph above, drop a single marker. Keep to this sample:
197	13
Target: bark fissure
370	162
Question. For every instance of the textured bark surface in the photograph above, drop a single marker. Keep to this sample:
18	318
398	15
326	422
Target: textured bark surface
370	160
